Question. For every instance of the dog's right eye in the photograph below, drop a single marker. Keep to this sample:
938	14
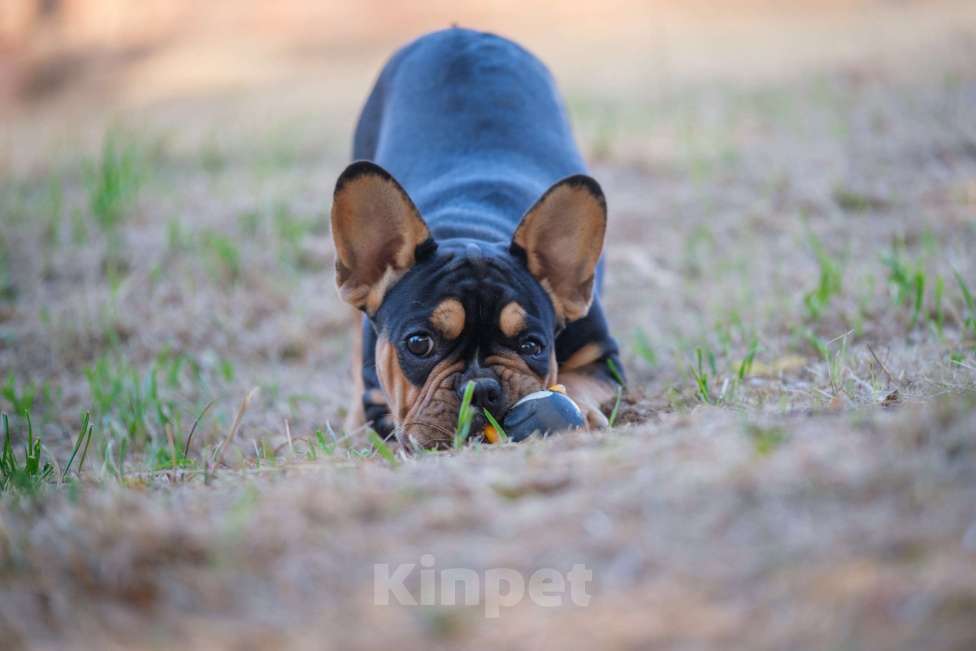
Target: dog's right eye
530	347
420	344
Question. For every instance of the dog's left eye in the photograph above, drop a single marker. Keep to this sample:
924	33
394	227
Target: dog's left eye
530	347
420	344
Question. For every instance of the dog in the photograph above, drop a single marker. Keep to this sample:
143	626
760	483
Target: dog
470	237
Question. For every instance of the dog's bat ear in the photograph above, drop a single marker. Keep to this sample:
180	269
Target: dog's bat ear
376	229
561	238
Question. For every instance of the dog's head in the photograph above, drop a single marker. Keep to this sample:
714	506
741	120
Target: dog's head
457	310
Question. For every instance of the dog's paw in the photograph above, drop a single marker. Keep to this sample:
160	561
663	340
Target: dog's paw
595	418
589	393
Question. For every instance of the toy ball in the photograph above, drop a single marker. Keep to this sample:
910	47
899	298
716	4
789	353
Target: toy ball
543	412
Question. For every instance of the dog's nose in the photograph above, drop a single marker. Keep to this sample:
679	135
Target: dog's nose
487	394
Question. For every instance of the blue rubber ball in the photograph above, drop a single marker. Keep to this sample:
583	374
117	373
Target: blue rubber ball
542	412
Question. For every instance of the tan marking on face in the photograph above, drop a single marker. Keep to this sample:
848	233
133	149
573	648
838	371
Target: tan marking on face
512	319
516	378
448	318
375	397
400	393
426	415
585	355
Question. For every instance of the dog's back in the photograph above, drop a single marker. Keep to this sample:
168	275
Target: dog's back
472	126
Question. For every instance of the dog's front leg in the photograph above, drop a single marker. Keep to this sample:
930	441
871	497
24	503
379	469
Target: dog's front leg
589	366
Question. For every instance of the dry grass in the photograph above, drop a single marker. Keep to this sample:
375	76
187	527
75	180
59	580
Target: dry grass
794	466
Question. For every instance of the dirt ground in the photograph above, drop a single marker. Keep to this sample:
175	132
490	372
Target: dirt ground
792	202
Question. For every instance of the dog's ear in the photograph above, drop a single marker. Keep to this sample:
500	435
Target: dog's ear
561	238
376	230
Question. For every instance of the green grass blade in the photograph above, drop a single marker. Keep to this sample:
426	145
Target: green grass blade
968	298
746	366
939	319
616	407
8	464
615	372
85	427
382	448
918	284
643	347
700	376
465	414
503	437
967	295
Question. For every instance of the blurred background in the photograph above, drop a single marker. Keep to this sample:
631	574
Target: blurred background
255	60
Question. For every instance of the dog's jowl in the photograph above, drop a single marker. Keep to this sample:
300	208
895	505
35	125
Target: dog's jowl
470	237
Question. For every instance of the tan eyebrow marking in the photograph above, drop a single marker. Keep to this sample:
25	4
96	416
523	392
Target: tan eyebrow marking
512	319
448	318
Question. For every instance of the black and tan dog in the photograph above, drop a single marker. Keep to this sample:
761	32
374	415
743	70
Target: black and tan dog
470	238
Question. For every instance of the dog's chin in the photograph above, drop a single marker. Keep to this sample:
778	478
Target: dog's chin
419	434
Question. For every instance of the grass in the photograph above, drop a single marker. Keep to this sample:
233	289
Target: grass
834	357
128	402
969	320
224	257
114	179
381	448
938	314
8	291
615	411
907	282
857	202
172	456
745	366
23	397
621	385
319	443
700	375
290	231
502	435
643	347
830	280
465	416
54	212
713	387
30	476
82	442
765	440
618	377
142	412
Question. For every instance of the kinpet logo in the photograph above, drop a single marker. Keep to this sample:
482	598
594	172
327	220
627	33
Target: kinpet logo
494	588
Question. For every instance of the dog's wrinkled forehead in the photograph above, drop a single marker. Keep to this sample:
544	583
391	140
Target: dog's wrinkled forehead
482	278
